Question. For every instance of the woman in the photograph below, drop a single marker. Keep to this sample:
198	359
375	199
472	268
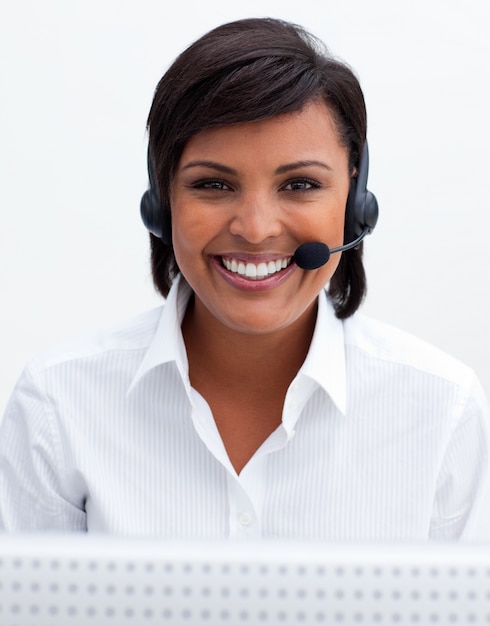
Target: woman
255	403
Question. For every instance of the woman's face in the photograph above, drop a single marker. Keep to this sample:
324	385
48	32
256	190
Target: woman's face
244	198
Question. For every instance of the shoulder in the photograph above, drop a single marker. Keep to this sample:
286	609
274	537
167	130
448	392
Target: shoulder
128	336
379	341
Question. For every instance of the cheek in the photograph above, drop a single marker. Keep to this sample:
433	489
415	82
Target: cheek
191	235
327	227
325	273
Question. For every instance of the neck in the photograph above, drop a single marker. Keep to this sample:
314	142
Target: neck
244	377
257	360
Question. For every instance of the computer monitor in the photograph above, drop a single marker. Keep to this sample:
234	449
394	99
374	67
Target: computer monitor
70	580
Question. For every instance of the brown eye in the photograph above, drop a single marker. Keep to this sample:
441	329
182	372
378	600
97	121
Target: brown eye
218	185
302	184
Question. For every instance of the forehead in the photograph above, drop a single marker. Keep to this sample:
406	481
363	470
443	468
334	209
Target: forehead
300	134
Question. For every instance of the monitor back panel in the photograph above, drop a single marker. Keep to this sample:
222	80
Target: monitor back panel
72	580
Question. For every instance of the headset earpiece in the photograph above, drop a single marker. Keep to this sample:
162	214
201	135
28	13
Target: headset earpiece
155	216
362	207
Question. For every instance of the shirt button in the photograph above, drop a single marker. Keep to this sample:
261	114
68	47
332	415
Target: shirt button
245	519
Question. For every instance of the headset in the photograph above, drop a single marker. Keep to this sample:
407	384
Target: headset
361	215
155	216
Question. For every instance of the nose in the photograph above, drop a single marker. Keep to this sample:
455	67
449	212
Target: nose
256	218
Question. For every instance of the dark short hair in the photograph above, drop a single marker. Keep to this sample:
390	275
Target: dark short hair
244	71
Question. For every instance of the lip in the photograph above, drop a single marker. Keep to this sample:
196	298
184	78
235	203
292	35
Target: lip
249	284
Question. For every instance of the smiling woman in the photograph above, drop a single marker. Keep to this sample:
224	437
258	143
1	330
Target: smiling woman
272	185
258	401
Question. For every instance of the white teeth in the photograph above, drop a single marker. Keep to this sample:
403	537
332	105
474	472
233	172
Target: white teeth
251	270
255	271
262	270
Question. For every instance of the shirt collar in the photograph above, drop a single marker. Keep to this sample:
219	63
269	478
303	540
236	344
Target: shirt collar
324	364
325	361
167	344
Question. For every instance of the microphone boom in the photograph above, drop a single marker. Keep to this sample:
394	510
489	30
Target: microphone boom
314	254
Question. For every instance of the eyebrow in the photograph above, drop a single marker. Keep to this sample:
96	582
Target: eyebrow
298	164
282	169
211	165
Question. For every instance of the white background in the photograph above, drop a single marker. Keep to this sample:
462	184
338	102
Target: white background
77	79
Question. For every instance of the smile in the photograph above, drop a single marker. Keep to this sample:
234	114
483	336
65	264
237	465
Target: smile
255	271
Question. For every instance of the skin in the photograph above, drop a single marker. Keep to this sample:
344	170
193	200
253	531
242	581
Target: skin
254	192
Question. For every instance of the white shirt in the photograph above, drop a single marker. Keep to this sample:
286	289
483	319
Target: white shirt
382	438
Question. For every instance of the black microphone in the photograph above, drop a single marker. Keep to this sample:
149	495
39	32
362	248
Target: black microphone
314	254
